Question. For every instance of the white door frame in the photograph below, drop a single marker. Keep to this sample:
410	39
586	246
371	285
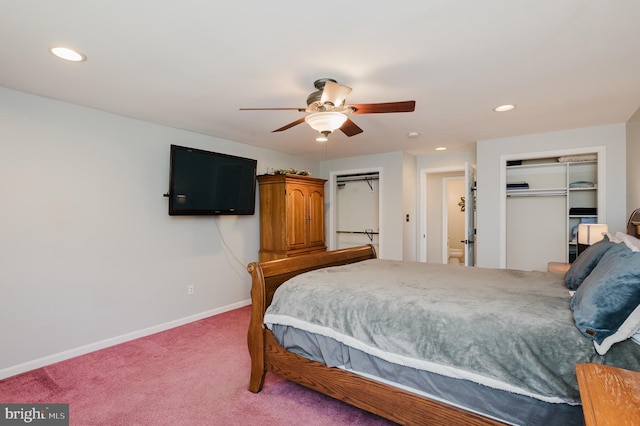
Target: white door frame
422	206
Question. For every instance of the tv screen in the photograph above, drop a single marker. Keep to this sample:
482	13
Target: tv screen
210	183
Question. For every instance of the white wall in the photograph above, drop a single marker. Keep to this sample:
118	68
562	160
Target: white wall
488	177
444	160
633	169
409	206
391	217
88	254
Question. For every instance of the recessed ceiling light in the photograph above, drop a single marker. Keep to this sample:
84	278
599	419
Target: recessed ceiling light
68	54
413	135
504	108
441	148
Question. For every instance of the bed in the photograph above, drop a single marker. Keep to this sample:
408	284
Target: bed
476	365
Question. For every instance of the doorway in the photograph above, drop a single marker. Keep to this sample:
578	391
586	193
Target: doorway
433	231
453	210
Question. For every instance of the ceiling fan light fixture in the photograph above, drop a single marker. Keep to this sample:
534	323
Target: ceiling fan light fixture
327	121
323	137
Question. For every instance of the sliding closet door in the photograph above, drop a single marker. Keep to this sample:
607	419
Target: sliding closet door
536	231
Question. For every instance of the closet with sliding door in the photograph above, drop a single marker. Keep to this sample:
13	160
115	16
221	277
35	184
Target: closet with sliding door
546	199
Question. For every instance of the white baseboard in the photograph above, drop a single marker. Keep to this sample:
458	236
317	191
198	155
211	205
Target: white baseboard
82	350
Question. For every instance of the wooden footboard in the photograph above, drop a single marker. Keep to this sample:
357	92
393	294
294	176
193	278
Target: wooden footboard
266	277
268	355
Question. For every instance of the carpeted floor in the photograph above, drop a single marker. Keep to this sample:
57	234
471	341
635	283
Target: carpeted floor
196	374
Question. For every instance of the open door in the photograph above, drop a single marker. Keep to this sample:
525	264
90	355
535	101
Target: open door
470	215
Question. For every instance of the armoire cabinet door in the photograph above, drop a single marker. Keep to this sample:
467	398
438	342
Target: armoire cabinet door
316	216
297	216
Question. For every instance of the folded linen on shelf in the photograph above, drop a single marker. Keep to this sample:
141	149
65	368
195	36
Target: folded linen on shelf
582	184
583	211
577	158
517	185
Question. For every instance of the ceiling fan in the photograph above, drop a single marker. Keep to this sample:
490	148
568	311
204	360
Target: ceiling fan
328	110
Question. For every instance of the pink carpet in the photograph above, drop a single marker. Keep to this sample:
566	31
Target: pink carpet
196	374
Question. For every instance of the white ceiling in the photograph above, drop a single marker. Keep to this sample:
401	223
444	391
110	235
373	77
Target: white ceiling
192	64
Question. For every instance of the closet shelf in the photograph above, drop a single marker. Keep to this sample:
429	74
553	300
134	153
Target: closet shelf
357	232
544	192
368	232
593	188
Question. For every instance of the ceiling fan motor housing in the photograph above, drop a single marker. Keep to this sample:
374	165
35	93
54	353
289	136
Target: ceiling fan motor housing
314	100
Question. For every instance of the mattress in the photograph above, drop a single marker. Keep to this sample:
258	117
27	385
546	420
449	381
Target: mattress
501	405
500	342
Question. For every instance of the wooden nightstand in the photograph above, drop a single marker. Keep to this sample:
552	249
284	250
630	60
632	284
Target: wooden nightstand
610	396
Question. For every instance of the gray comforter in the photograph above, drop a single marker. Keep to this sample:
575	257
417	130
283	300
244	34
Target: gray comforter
510	330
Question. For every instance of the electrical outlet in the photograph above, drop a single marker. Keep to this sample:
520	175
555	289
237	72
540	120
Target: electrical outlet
190	289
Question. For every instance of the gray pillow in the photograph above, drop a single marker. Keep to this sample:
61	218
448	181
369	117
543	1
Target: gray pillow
606	307
584	264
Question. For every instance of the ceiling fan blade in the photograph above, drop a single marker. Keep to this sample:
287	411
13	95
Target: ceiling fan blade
334	93
405	106
273	109
350	128
290	125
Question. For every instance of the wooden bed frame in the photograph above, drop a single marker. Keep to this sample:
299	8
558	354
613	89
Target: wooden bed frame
267	354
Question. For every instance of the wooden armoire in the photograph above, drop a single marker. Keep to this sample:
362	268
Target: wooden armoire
291	216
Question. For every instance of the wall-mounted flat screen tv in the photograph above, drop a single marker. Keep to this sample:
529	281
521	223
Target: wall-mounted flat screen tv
210	183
